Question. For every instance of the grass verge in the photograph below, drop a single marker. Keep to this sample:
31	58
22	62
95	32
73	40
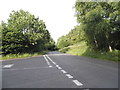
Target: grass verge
25	55
81	49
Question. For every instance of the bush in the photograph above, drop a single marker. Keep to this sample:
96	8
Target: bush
64	50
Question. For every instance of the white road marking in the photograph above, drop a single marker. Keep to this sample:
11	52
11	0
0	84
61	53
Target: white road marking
8	66
59	67
50	59
54	63
69	76
50	66
47	61
77	83
24	68
63	71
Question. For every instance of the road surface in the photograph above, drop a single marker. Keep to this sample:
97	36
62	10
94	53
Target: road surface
59	70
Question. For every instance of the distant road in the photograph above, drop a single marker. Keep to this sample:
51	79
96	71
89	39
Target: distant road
59	70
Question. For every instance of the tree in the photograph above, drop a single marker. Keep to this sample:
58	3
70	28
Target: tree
51	45
63	42
24	33
98	20
74	36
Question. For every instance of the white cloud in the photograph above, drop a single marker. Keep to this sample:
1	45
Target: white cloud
57	14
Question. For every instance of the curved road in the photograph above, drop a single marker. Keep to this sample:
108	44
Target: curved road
59	70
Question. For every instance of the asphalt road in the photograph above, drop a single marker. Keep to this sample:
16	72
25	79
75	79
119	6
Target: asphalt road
59	70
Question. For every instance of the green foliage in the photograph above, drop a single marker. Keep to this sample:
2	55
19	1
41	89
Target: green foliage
64	50
24	55
74	36
51	45
78	48
62	42
81	49
23	33
97	33
98	20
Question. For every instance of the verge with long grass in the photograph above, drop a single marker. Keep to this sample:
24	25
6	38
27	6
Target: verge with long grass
81	49
24	55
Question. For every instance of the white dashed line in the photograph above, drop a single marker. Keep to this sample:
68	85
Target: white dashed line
77	83
24	68
47	61
63	71
50	59
50	66
54	63
59	67
8	66
69	76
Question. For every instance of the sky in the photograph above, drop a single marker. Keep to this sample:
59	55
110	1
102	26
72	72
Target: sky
58	15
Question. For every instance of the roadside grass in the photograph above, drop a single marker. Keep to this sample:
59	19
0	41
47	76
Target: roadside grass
25	55
64	49
81	49
113	56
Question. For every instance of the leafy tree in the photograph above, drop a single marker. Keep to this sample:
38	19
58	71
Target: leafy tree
24	33
51	45
63	42
75	35
98	20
